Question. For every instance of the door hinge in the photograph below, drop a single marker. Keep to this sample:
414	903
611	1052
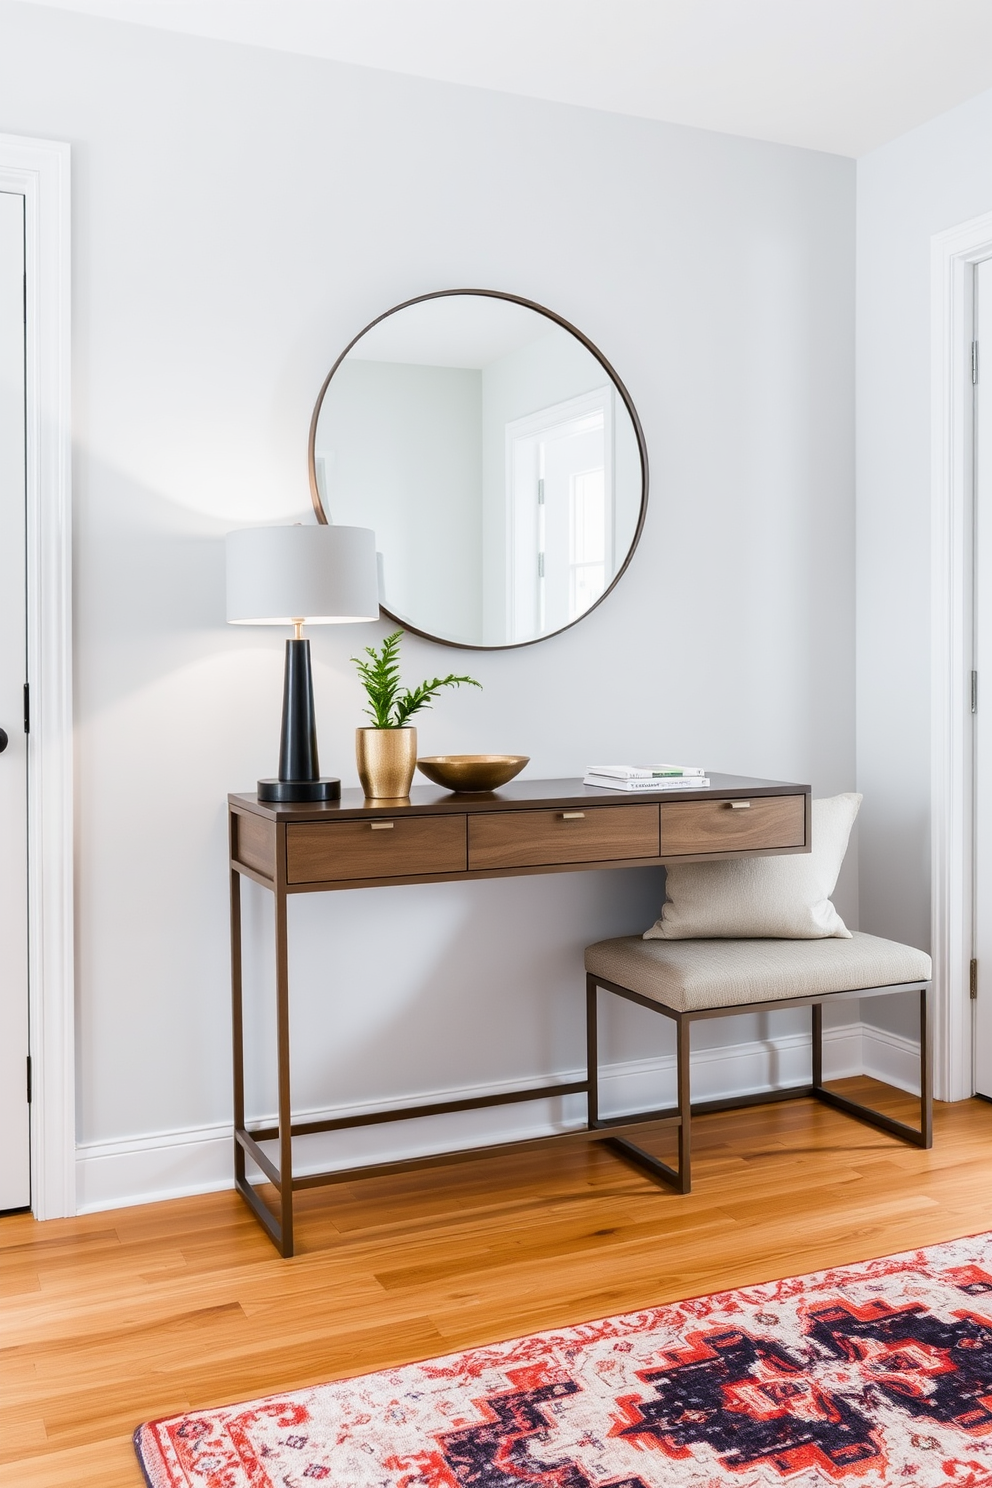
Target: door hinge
27	709
974	692
974	362
29	1079
540	565
540	492
973	980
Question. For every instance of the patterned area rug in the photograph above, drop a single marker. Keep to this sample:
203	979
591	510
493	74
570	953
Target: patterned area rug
865	1376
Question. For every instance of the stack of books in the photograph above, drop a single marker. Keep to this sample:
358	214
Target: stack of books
646	777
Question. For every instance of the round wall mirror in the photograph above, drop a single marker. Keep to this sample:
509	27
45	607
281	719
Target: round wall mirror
496	455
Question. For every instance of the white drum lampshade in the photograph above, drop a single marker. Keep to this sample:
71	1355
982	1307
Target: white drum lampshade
295	576
321	575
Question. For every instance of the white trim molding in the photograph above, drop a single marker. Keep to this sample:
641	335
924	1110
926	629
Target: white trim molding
39	171
175	1164
952	255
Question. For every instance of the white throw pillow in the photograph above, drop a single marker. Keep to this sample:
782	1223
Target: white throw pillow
777	898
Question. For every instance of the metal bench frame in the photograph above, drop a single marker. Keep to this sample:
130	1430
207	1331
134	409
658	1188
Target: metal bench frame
681	1114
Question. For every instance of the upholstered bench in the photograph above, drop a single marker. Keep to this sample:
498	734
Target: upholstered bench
689	979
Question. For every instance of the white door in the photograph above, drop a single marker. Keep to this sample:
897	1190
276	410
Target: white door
982	700
15	1170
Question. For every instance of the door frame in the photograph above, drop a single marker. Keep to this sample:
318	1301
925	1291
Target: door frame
952	255
39	171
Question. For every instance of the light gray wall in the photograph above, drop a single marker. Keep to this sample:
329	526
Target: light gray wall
238	216
926	181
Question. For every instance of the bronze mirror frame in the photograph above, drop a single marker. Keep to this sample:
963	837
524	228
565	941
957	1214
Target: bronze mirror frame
493	294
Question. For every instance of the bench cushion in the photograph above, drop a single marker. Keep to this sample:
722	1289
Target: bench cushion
689	975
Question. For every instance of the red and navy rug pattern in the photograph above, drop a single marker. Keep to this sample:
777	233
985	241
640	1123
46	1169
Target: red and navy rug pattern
863	1376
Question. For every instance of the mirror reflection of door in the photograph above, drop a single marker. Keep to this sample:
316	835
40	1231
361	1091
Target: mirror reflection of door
560	516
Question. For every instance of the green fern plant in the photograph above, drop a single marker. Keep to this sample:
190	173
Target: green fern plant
391	705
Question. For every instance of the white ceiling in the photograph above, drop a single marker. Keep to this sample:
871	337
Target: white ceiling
837	75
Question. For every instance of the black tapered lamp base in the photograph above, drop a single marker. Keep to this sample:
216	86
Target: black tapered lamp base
327	788
299	778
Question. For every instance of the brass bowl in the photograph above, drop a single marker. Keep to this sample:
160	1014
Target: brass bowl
472	772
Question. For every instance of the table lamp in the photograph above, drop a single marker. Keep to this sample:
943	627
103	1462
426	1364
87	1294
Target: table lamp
300	576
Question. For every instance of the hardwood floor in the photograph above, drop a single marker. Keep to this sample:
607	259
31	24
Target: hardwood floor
115	1318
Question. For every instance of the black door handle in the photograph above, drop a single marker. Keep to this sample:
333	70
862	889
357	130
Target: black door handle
3	740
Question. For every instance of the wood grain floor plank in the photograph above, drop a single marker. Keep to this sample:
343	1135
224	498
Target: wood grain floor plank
111	1319
105	1464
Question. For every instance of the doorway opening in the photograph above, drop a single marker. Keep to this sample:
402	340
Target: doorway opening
955	689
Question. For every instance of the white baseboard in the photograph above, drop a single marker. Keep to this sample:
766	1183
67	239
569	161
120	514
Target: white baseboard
175	1164
164	1165
890	1057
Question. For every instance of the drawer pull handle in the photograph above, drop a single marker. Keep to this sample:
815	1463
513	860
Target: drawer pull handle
573	816
382	826
740	805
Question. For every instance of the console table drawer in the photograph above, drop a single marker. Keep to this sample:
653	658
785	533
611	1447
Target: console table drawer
319	852
528	839
745	824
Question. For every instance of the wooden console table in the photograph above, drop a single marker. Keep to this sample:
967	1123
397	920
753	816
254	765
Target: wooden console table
530	826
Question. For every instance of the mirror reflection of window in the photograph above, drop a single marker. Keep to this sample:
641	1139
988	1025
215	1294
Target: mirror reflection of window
560	517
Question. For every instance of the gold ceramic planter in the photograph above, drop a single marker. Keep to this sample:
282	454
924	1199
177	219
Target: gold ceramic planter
387	758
